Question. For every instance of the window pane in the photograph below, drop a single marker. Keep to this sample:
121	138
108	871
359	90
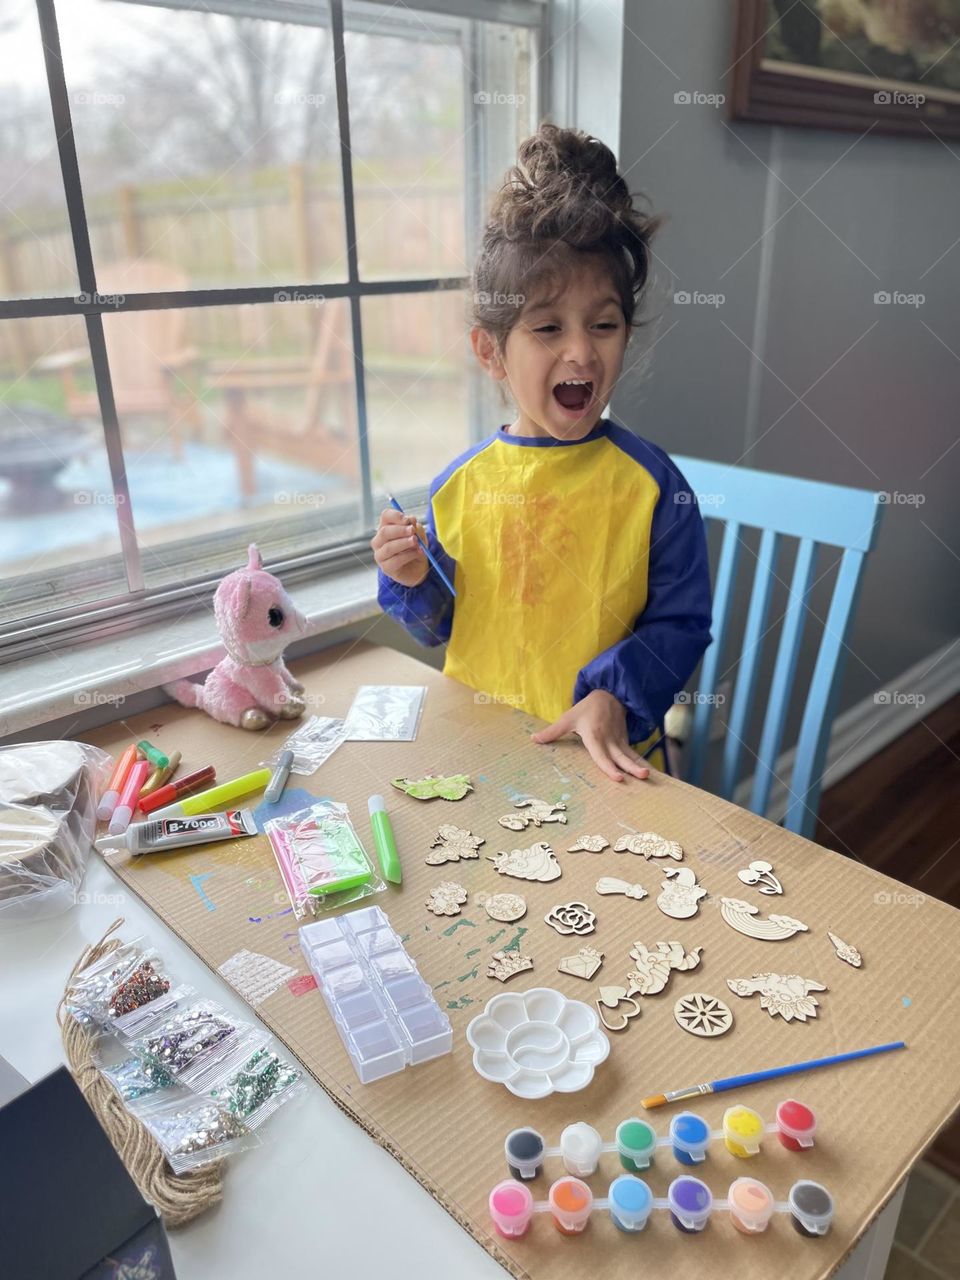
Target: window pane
417	128
238	424
59	539
206	143
420	379
36	248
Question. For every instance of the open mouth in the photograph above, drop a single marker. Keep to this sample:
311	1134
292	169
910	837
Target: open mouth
573	394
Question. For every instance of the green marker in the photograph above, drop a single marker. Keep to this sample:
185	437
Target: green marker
154	754
383	839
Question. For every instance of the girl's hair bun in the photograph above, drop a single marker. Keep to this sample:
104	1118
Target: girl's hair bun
563	197
564	186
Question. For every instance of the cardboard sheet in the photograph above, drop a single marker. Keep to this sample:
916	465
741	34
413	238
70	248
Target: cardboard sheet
441	1120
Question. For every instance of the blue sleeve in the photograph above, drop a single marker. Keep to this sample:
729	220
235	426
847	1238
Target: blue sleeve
646	670
426	610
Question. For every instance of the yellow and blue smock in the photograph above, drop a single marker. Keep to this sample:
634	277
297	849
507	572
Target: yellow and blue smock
578	565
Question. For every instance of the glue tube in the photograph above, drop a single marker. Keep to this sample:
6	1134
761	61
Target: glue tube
174	833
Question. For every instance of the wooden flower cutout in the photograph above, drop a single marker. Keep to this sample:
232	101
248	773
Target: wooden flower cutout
571	917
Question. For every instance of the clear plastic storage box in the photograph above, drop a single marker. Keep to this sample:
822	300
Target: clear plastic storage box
384	1011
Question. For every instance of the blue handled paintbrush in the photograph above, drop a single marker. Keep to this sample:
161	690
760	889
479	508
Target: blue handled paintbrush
426	550
771	1073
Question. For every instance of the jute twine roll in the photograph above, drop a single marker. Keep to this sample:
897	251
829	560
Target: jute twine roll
177	1198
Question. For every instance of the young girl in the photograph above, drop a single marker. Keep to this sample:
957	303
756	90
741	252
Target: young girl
575	547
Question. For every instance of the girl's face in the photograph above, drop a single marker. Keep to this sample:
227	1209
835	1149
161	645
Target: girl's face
582	336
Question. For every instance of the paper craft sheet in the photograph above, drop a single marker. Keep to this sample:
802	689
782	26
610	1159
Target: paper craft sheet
875	1118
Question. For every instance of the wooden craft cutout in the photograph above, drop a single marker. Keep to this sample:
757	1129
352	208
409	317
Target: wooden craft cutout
539	862
453	843
583	965
504	907
537	811
703	1015
453	787
589	844
613	998
654	967
609	884
571	917
740	916
447	898
680	895
787	995
649	844
507	964
846	950
760	874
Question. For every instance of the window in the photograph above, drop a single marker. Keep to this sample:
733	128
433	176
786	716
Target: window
234	243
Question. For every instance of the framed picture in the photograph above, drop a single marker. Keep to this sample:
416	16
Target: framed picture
849	64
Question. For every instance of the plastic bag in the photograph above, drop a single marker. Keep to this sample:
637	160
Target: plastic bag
312	743
48	802
321	859
193	1131
258	1085
194	1043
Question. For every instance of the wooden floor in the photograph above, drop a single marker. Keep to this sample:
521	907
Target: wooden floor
900	814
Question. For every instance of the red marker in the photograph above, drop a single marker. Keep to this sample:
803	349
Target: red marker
174	790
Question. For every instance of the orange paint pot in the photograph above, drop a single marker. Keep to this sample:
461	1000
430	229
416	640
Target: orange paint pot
571	1202
751	1205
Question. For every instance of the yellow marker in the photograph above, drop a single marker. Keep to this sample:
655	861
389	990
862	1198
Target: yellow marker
206	801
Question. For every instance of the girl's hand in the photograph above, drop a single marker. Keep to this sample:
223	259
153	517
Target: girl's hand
398	550
600	720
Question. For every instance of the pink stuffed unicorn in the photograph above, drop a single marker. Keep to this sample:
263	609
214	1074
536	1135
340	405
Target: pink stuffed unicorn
251	686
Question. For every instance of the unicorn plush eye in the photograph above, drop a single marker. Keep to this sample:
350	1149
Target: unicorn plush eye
275	616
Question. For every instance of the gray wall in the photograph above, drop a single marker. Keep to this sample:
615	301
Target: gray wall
884	400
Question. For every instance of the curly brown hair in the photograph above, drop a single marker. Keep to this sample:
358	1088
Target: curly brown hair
562	201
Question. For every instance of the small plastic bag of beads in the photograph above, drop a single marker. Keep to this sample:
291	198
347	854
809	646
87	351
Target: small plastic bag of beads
193	1130
135	1078
258	1085
144	997
91	989
192	1043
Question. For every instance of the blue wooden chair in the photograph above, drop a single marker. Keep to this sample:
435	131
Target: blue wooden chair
816	514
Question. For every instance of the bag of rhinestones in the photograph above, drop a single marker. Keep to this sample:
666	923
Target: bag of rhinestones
261	1083
194	1043
192	1130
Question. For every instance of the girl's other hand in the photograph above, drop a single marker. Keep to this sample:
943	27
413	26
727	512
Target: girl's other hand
600	720
398	550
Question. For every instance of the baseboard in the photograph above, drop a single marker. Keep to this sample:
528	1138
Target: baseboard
870	725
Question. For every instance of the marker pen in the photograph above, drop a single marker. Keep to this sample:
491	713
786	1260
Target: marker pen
153	754
128	797
160	776
172	791
279	779
383	840
207	800
108	801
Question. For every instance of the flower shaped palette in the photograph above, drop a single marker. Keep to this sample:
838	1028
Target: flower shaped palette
537	1042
